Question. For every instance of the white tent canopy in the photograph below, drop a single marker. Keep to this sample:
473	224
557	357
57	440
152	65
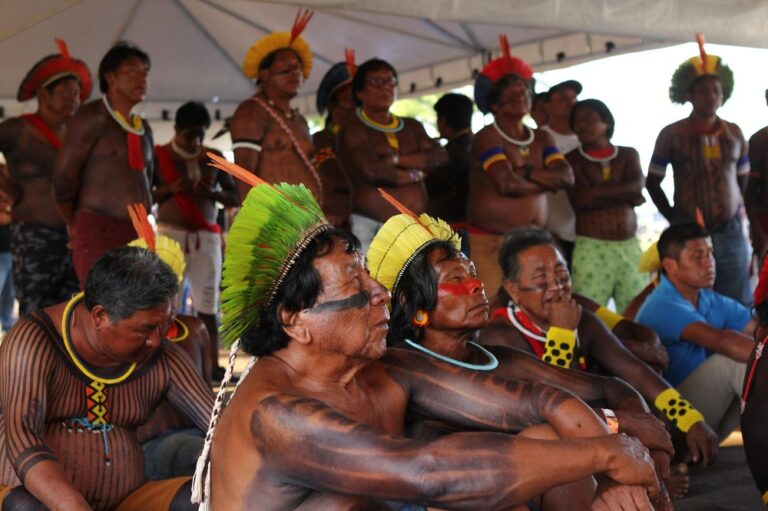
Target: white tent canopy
197	46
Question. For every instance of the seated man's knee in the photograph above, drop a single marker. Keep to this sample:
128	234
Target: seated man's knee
19	499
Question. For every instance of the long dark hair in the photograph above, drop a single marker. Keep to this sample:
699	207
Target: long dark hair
416	290
300	289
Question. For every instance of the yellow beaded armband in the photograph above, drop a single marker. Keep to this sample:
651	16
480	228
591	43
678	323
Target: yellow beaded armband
607	316
677	409
559	347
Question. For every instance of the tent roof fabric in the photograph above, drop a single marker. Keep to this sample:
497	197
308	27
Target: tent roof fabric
197	46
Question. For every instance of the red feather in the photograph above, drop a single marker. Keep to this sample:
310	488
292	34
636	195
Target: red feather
700	218
402	208
349	55
235	170
141	225
63	49
506	64
243	175
504	45
761	291
702	51
300	23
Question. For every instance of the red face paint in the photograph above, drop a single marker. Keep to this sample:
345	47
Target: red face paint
467	287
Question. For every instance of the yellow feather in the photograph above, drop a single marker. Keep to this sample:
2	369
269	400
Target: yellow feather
168	250
399	240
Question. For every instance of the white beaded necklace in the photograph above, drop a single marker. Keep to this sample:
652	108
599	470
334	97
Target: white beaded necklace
118	117
520	143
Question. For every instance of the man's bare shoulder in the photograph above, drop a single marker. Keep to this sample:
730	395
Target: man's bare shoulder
195	325
14	123
486	137
398	364
353	122
732	128
760	137
247	117
498	332
10	132
624	152
247	109
543	136
91	114
485	130
681	127
411	124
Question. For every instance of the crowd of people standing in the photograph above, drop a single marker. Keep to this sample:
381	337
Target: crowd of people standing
457	326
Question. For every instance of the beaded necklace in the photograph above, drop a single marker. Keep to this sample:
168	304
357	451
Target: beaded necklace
396	125
492	364
290	114
66	319
605	162
136	126
522	145
173	334
97	419
184	155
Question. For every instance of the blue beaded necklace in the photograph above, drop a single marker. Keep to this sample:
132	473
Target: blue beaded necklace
492	364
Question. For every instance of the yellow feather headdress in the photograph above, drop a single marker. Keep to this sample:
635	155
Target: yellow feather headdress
166	248
401	239
292	40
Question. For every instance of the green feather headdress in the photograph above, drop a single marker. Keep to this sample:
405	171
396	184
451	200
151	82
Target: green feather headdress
698	66
274	226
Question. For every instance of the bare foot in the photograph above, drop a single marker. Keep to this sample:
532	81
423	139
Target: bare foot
678	482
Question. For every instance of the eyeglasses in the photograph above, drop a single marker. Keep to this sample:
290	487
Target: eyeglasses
287	70
381	81
560	283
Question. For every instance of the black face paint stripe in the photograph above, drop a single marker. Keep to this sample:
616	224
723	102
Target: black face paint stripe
357	301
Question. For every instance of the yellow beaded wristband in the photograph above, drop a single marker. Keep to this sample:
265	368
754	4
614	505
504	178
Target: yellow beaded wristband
765	498
559	347
677	409
607	316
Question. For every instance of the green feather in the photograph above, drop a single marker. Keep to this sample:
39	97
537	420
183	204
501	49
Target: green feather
686	74
272	221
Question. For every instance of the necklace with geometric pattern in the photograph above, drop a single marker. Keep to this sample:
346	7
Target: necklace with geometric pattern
97	418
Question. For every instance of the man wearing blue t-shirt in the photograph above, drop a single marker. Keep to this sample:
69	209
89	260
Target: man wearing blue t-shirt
708	336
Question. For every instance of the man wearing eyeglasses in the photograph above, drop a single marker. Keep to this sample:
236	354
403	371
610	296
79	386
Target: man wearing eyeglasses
539	316
381	150
269	137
